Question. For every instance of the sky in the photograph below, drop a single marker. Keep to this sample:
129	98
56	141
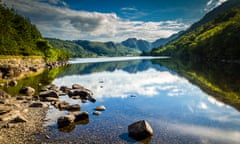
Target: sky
112	20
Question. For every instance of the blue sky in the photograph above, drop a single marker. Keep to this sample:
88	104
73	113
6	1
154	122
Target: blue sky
112	20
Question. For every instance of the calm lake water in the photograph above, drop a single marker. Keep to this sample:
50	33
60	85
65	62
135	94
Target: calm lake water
135	89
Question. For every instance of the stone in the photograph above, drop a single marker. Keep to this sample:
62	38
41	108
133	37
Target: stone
12	83
38	105
49	99
140	130
78	92
64	89
97	112
77	86
52	87
65	120
80	116
62	105
49	93
19	119
100	108
91	99
74	107
29	91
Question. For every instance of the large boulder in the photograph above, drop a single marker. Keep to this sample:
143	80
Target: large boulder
66	120
140	130
29	91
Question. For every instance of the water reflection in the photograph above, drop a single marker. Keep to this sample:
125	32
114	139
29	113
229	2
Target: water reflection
178	111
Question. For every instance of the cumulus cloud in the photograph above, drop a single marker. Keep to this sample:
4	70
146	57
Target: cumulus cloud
65	23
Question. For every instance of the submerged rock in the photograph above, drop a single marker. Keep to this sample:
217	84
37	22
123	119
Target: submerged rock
140	130
97	112
100	108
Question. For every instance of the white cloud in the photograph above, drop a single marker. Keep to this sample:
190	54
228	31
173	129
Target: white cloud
211	4
216	134
64	23
123	84
129	9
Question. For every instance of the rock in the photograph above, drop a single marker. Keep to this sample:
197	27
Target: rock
12	83
61	93
49	99
80	116
65	120
49	93
65	89
38	105
97	112
78	92
52	87
77	86
18	119
100	108
62	105
29	91
74	107
140	130
91	99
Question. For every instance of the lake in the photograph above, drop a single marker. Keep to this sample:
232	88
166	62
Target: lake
179	109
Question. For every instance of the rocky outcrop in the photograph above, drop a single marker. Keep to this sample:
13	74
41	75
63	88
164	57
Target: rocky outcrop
140	130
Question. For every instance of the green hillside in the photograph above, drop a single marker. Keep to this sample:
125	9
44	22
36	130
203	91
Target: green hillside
83	48
216	40
20	38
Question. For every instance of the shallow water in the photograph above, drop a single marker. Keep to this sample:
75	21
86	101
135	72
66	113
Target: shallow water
136	89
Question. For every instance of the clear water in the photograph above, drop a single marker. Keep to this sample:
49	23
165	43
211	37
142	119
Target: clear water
132	90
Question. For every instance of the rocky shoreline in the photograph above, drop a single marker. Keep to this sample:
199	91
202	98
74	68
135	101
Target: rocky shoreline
16	68
22	116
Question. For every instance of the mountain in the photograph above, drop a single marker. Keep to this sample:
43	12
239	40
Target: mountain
137	44
215	37
164	41
84	48
146	46
19	37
